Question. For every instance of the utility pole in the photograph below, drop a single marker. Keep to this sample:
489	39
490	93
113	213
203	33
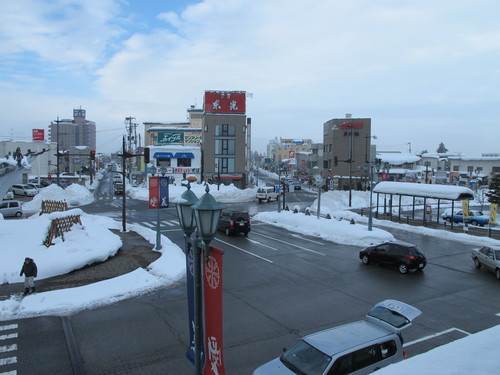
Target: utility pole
57	150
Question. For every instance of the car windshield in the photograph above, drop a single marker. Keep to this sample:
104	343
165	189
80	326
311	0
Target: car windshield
303	359
497	254
391	317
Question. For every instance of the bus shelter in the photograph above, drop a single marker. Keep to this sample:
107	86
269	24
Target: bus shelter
424	191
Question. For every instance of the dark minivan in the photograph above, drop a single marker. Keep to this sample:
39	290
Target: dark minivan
232	222
403	255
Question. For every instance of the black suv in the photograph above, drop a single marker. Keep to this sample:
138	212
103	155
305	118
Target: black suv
231	222
404	255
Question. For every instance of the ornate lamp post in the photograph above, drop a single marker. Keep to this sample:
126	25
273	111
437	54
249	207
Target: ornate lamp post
198	216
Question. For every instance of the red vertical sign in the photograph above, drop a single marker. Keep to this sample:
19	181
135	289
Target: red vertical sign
154	198
212	287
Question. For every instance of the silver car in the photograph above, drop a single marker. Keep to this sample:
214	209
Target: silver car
489	257
11	208
356	348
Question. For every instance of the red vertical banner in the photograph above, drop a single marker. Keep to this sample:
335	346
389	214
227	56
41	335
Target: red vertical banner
212	288
154	192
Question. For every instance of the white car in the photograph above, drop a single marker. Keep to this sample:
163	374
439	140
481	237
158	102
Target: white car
9	195
24	189
266	194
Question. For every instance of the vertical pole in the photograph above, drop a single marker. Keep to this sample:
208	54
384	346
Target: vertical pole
158	235
197	305
57	150
279	184
370	217
319	201
350	162
124	205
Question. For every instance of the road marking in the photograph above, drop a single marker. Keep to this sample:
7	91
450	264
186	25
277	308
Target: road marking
306	239
6	328
435	335
261	244
148	224
8	348
497	314
245	251
9	373
290	244
8	361
9	336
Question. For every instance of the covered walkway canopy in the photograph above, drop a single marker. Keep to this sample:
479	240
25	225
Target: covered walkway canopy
426	191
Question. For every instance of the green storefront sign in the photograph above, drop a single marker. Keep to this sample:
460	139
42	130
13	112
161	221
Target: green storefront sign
167	138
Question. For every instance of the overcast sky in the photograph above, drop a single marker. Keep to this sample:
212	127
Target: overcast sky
424	71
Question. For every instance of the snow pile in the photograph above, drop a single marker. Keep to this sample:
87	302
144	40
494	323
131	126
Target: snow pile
74	195
335	230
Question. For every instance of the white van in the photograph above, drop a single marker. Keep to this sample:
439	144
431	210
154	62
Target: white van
11	208
266	194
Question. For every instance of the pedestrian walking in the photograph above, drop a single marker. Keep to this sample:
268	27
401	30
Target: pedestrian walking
30	271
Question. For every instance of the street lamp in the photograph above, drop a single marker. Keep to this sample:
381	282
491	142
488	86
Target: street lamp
198	216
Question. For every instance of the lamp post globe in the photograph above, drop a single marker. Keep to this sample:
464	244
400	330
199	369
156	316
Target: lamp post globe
184	206
207	212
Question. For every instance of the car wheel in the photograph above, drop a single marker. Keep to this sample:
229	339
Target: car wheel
403	268
268	199
246	234
365	259
473	222
19	214
448	219
227	232
25	194
477	264
497	273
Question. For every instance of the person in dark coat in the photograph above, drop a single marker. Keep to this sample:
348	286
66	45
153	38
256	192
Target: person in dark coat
30	271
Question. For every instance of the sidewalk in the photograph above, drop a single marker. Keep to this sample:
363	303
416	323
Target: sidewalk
135	253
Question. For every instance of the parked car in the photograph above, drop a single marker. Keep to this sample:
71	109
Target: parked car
9	195
266	194
232	222
403	255
487	257
37	187
11	208
295	185
6	168
356	348
117	177
24	189
474	218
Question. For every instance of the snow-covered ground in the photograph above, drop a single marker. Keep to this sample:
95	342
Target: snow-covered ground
92	241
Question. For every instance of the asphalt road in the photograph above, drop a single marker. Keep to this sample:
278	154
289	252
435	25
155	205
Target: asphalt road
278	286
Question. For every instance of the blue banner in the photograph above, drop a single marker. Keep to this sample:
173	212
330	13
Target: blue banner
164	192
190	294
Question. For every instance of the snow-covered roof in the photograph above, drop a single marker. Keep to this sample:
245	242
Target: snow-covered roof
424	190
398	159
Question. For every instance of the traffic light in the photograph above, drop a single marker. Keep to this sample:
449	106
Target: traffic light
146	155
92	154
335	161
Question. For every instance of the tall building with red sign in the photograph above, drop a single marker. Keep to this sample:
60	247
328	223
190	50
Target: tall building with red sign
346	148
226	138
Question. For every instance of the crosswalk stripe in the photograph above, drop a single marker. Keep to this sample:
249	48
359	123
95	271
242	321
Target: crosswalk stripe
9	373
8	348
8	361
9	336
8	327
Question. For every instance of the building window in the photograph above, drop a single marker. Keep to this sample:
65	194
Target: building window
470	169
455	168
225	130
163	162
224	165
184	162
225	146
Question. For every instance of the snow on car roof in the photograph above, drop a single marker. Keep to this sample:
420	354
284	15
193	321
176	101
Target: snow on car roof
424	190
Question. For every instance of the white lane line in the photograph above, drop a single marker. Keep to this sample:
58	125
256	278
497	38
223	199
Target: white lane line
8	361
8	348
261	244
7	327
435	335
290	244
9	373
148	224
245	251
306	239
167	223
497	314
9	336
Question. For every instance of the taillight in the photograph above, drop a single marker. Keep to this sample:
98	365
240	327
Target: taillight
405	355
411	257
231	223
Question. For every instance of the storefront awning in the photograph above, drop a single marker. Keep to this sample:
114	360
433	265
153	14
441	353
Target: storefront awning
184	155
163	155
